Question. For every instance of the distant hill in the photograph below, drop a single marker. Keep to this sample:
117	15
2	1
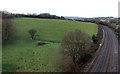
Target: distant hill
73	17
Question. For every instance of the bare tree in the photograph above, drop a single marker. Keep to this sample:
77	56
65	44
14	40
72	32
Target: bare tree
75	44
7	29
32	32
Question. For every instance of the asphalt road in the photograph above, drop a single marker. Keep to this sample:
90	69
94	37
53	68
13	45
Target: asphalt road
107	59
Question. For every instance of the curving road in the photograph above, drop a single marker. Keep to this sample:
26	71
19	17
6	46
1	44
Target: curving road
107	59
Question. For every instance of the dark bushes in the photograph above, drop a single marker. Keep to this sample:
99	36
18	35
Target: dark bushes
86	57
94	38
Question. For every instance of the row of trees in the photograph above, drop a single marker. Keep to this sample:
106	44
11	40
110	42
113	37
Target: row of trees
88	20
43	15
112	23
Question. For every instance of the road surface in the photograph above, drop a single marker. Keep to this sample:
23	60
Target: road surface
107	60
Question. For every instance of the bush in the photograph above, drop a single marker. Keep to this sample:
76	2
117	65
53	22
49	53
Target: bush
32	32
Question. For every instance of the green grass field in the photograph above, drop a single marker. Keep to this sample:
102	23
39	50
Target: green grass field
22	53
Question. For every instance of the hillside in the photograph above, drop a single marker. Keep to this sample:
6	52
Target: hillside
51	29
20	53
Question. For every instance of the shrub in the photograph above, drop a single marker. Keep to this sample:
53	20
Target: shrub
32	32
94	38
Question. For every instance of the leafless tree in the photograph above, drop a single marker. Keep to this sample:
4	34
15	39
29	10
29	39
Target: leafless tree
32	32
7	29
75	44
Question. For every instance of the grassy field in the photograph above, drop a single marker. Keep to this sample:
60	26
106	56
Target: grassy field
20	53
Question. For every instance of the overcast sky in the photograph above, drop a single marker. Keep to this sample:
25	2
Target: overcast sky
81	8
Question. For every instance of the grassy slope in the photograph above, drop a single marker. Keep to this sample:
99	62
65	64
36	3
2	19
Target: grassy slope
50	29
21	53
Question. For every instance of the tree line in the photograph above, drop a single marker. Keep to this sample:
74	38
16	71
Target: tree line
42	15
